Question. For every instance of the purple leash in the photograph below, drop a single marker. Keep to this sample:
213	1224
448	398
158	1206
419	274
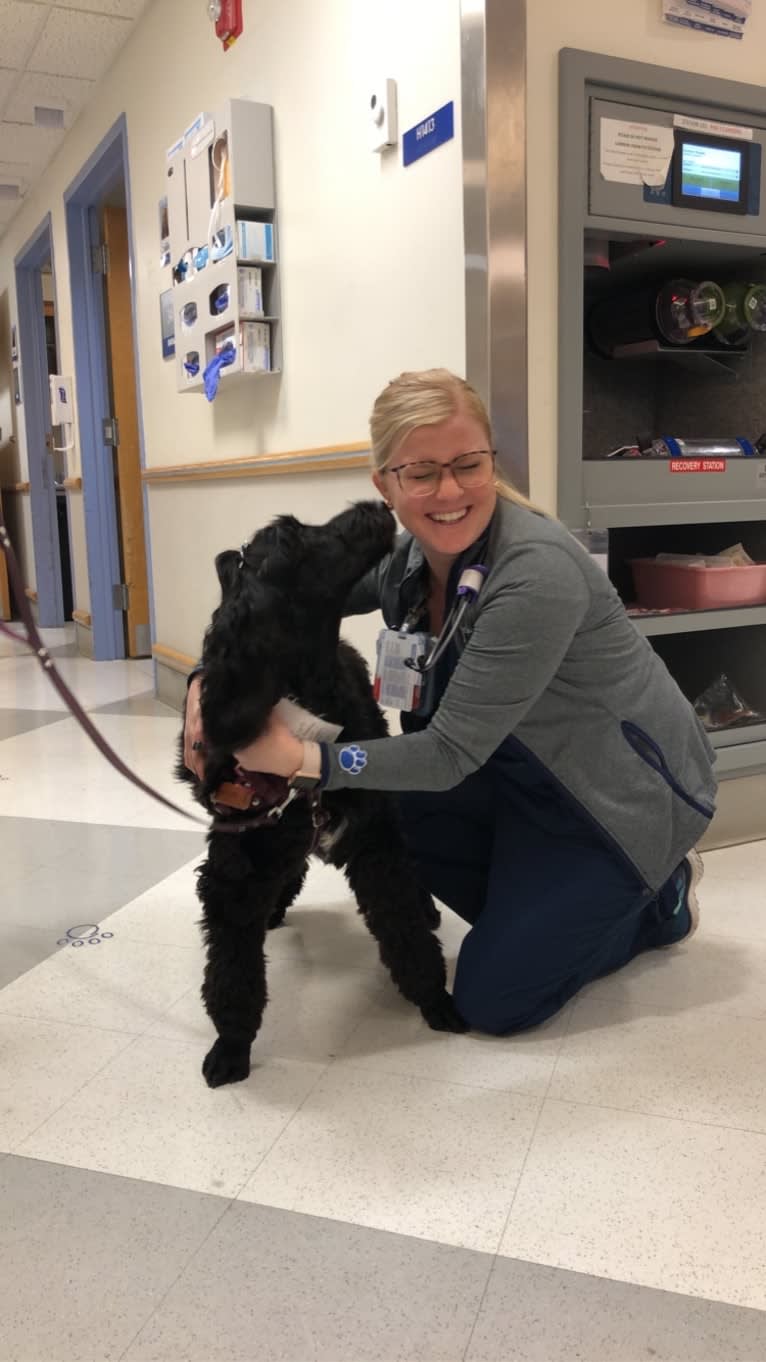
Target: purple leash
34	642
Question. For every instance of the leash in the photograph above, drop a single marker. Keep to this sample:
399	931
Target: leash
258	788
34	642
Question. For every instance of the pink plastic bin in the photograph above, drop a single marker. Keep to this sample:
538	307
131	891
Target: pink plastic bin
679	586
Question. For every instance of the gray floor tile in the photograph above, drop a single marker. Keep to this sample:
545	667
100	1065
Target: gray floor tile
145	703
21	948
15	721
87	1257
57	875
288	1288
543	1314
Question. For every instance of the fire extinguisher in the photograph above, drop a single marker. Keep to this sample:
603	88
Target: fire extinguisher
227	17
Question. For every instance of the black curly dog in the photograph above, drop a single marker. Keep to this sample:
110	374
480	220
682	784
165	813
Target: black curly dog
276	633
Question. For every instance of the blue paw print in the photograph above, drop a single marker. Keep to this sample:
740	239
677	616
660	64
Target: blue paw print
353	759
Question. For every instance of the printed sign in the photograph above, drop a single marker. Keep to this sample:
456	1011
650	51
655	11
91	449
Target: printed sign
713	129
635	153
698	465
438	128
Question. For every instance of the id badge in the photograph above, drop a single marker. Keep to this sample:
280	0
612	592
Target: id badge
396	685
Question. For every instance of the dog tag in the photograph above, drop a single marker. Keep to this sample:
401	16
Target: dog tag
396	685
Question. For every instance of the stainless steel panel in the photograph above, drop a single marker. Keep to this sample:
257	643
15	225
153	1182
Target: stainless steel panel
493	48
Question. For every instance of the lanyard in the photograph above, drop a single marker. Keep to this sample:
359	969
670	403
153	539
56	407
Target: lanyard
468	588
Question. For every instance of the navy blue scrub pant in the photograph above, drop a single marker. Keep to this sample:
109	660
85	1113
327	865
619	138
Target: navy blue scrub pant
550	903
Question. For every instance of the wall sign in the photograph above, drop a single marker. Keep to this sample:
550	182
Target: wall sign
698	465
426	136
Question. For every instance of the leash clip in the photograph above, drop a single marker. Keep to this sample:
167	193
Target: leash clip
276	812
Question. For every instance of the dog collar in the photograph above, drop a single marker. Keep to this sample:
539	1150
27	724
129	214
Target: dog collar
269	795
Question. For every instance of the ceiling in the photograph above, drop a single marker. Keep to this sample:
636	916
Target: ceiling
52	58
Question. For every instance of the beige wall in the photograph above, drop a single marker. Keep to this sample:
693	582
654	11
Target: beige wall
622	28
371	254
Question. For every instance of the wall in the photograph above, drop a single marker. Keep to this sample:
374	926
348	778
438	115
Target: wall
372	255
624	28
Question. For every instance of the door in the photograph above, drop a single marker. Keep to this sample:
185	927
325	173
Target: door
127	458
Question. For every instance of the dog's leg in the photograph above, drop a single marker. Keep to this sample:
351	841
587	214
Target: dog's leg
393	907
237	903
288	896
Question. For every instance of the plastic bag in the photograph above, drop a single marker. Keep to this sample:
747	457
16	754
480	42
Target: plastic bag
722	706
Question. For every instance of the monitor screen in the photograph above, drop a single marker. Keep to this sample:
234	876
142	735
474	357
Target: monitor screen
711	172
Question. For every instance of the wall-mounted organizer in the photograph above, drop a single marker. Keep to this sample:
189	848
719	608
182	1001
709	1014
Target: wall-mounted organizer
223	241
662	369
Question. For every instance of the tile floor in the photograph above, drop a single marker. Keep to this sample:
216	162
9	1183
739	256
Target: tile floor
594	1190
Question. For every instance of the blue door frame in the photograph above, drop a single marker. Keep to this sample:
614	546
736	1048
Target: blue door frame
104	169
35	393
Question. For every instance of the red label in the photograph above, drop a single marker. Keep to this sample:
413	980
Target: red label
698	465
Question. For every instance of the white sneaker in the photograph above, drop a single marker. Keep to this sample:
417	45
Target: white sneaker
696	871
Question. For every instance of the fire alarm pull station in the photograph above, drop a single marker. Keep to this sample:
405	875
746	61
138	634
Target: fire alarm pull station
227	17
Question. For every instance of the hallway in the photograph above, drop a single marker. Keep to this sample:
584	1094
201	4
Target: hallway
595	1189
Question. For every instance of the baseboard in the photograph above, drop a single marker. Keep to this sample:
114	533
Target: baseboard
83	632
171	684
740	814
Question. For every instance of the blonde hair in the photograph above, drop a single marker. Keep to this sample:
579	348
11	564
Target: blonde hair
424	398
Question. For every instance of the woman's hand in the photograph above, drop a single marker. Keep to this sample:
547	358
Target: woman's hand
276	752
194	735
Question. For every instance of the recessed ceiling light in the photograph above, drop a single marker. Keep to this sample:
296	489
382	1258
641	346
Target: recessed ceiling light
48	118
10	191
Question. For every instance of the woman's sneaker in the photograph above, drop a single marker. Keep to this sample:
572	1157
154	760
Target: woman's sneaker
683	921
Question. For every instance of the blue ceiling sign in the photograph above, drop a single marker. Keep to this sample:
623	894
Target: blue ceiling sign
439	127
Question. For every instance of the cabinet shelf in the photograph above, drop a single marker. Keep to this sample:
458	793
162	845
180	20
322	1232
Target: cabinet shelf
693	621
740	751
709	349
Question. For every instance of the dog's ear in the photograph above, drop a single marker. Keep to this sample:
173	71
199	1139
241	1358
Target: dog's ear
227	565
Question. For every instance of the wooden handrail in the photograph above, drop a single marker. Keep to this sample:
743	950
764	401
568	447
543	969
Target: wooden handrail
328	458
178	662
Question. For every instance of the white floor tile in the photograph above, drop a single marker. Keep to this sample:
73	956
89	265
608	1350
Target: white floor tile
310	1013
52	638
57	773
42	1065
150	1115
666	1204
711	971
393	1038
116	985
324	935
732	899
435	1160
700	1065
168	914
24	685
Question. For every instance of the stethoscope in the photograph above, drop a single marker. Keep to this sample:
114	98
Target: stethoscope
468	587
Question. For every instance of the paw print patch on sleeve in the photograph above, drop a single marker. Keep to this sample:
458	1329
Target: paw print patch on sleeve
352	759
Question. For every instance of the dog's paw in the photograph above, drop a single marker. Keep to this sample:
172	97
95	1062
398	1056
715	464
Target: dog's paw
442	1015
223	1064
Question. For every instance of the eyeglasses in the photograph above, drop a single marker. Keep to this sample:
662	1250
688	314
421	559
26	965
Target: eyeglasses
474	469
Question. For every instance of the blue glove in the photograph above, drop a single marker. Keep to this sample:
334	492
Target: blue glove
212	374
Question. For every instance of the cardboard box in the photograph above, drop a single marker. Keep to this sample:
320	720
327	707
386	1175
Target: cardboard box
250	291
254	241
254	348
